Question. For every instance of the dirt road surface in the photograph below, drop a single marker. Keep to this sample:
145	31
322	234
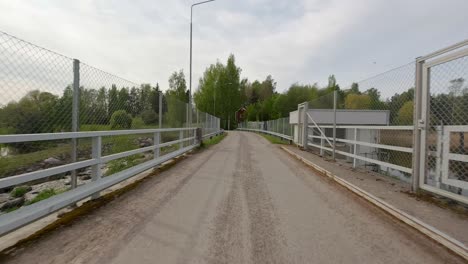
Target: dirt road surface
241	201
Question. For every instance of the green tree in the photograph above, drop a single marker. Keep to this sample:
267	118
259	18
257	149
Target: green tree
219	91
405	114
357	101
178	86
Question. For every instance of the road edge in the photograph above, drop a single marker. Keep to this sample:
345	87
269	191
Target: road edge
436	235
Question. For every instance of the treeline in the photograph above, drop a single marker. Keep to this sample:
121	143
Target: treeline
222	91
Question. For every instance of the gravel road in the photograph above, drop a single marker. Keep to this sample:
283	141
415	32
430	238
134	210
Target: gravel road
241	201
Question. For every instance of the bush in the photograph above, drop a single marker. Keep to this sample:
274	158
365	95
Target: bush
149	117
121	120
19	191
138	123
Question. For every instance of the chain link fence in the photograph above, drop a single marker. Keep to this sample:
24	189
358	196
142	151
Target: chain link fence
46	92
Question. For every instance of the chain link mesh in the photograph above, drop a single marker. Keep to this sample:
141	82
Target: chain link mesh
37	94
447	167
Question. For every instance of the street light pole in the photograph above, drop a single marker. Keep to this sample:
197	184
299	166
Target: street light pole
190	78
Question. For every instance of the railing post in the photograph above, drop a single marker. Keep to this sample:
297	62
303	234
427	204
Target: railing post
75	117
96	172
417	114
334	123
284	119
305	125
355	149
322	143
439	155
157	141
160	109
181	136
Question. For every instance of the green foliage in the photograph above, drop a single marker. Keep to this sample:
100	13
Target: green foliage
274	140
357	101
149	117
405	114
121	120
19	191
219	91
124	163
178	86
213	141
47	193
137	123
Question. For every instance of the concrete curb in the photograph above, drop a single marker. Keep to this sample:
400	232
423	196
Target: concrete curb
443	239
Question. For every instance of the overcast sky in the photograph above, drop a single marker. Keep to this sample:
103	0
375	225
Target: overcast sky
295	41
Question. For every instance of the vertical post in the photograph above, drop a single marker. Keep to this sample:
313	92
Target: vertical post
355	149
160	109
157	141
334	123
322	143
181	136
96	172
305	121
190	78
439	155
417	114
229	122
75	117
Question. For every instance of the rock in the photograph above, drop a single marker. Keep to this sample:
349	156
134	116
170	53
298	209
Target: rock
4	197
53	161
84	173
17	202
86	177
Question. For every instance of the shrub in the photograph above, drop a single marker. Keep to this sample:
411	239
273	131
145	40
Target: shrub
19	191
121	120
149	117
138	123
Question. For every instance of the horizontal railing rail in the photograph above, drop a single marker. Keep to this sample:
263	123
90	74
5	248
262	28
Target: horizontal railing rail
267	132
356	143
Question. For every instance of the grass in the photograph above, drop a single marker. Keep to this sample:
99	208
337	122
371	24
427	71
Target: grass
19	191
123	163
213	141
47	193
275	140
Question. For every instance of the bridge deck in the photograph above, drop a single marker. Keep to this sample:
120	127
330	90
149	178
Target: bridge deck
242	201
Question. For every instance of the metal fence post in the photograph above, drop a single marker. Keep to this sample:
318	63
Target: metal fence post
181	136
160	109
157	141
96	172
416	170
75	117
334	123
305	126
355	149
439	155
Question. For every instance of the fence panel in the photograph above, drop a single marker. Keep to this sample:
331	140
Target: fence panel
46	94
445	114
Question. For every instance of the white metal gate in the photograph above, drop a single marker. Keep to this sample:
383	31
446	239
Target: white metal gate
443	123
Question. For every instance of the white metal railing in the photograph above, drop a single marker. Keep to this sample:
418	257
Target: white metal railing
356	143
27	214
267	132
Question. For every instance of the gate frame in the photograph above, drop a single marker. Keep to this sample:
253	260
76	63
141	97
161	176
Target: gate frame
422	114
